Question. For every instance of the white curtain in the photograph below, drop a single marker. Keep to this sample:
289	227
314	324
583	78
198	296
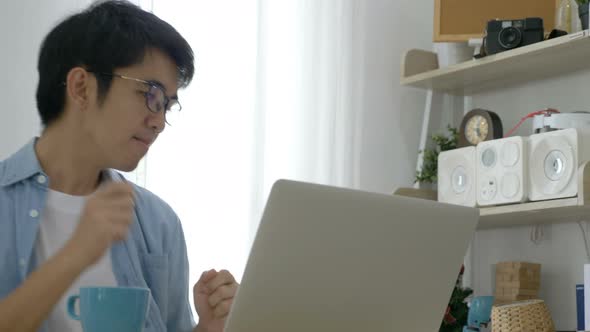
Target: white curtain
309	92
275	95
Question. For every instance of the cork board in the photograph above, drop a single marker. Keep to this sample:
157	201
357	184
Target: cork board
460	20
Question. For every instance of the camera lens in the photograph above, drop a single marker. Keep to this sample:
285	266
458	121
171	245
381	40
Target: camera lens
510	37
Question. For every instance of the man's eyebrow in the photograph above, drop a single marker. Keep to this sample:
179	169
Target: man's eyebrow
162	86
157	83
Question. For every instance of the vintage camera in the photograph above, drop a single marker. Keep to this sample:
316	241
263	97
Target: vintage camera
503	35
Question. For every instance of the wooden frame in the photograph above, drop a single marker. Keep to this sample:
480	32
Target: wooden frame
461	20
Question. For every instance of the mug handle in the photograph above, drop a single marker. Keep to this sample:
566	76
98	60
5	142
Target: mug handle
71	307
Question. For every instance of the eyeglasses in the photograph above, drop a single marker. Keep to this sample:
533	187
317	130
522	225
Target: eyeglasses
155	98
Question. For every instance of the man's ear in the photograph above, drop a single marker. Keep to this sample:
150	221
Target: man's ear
78	85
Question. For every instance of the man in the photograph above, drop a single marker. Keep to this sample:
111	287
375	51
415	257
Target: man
107	78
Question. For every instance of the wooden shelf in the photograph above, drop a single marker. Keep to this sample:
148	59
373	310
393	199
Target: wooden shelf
543	212
549	58
531	213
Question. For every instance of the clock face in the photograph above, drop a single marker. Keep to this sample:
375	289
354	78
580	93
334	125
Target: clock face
476	129
479	125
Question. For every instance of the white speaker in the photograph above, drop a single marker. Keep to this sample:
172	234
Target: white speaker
501	171
456	176
554	158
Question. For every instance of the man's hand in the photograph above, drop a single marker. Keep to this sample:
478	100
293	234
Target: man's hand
213	295
106	218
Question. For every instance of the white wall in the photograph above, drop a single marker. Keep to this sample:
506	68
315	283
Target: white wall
23	25
392	115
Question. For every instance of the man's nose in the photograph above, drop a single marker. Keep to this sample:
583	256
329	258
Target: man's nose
157	121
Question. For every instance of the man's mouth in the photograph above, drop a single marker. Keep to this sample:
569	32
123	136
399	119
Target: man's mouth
144	141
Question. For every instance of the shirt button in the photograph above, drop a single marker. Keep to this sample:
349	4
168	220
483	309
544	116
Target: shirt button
41	179
34	213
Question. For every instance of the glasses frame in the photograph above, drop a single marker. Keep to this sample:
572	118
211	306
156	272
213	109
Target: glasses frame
146	94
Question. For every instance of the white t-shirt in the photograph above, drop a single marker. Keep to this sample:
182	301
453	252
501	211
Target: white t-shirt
59	219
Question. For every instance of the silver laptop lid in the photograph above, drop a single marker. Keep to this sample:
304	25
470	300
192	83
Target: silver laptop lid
333	259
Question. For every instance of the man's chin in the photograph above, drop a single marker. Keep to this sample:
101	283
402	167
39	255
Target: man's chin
127	167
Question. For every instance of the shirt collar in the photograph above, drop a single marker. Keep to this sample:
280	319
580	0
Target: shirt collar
21	165
24	164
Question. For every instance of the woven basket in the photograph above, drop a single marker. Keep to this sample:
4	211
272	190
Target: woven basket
526	316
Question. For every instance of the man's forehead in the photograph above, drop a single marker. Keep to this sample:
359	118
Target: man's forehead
159	69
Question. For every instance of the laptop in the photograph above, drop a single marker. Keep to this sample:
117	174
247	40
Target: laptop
333	259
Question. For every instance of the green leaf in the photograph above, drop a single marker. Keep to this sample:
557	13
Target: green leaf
428	174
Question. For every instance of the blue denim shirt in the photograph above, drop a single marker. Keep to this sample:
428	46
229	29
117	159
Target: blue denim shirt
153	255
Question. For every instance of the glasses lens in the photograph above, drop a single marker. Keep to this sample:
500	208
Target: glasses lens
172	115
155	99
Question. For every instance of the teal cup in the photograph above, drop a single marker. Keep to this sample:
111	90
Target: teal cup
110	308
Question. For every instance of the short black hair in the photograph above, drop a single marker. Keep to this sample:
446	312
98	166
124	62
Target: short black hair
108	35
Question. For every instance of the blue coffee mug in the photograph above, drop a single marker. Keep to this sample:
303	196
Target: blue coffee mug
480	310
110	308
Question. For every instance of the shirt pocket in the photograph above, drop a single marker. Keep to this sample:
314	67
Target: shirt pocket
155	272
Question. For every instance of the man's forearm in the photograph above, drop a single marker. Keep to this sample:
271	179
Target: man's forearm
28	306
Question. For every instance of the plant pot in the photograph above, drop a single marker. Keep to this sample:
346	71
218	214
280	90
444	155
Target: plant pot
453	53
583	13
428	185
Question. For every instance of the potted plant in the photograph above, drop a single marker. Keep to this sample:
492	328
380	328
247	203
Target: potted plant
430	158
583	12
457	310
